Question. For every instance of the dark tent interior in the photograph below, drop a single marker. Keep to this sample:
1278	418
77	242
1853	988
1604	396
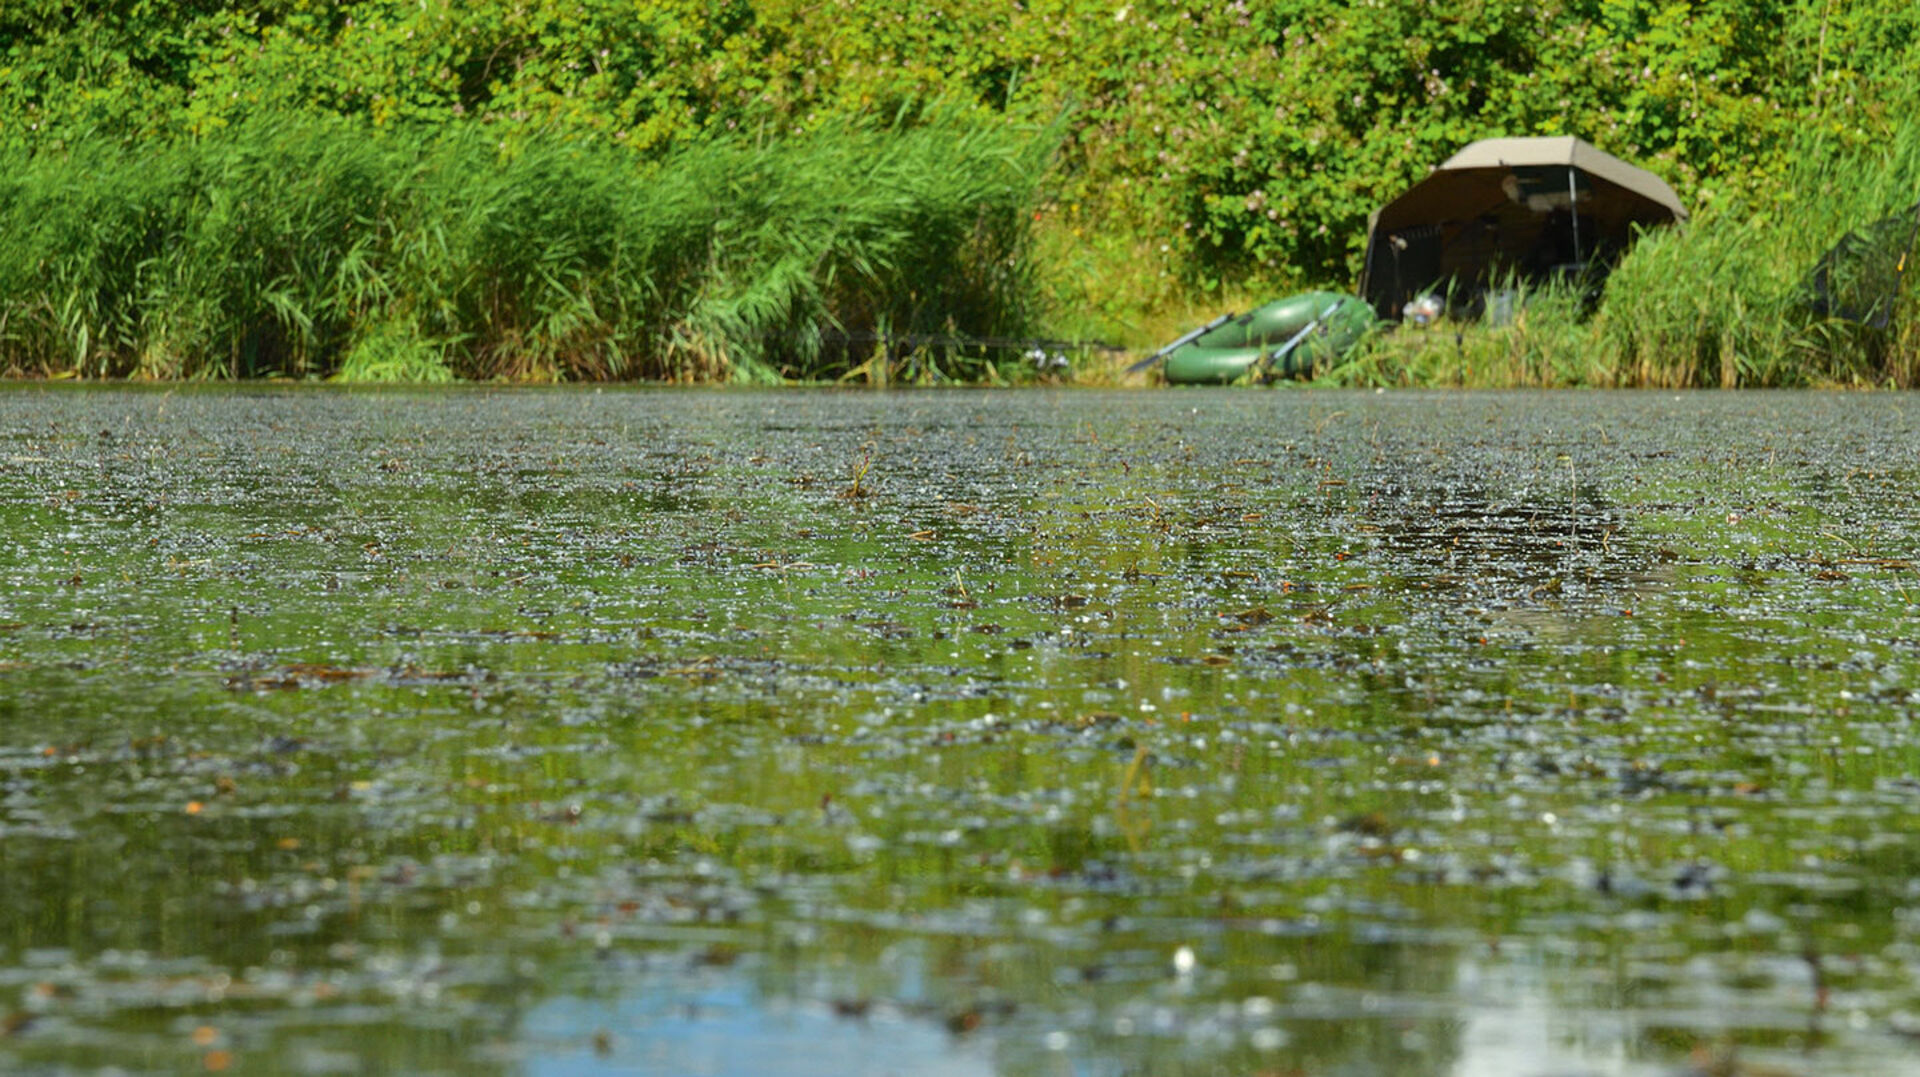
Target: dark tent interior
1481	224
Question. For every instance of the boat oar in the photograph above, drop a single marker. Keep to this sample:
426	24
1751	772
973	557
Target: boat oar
1277	354
1169	349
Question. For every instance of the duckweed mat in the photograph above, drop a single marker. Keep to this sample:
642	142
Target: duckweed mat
743	732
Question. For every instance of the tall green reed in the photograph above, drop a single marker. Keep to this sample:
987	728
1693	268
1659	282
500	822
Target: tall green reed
314	247
1546	340
1725	300
919	230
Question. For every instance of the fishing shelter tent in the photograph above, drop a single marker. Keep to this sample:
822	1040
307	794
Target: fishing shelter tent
1526	209
1859	278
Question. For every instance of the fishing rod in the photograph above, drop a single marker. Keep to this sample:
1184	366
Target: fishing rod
1190	337
957	340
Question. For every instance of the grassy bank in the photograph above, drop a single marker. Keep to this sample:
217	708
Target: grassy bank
324	248
681	189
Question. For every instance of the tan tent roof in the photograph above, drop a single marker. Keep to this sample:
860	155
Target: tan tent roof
1471	180
1567	150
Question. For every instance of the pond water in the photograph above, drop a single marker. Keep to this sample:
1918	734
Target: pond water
744	732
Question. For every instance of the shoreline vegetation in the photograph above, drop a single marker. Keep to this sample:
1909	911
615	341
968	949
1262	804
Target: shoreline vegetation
311	249
752	191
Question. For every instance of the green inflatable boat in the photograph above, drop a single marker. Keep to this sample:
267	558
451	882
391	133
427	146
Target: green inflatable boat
1283	339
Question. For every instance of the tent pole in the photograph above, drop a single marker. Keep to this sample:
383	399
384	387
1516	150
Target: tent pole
1573	207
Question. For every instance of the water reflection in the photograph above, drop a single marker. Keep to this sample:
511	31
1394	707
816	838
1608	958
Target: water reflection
729	1030
629	731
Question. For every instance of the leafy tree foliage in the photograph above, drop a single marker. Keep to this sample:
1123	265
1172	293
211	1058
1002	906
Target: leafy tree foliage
1248	139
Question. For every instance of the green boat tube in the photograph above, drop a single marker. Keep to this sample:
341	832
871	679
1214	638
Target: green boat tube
1285	338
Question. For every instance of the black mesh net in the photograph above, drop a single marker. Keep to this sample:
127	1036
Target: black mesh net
1859	278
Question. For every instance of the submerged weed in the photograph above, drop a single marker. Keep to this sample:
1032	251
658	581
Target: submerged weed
858	488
